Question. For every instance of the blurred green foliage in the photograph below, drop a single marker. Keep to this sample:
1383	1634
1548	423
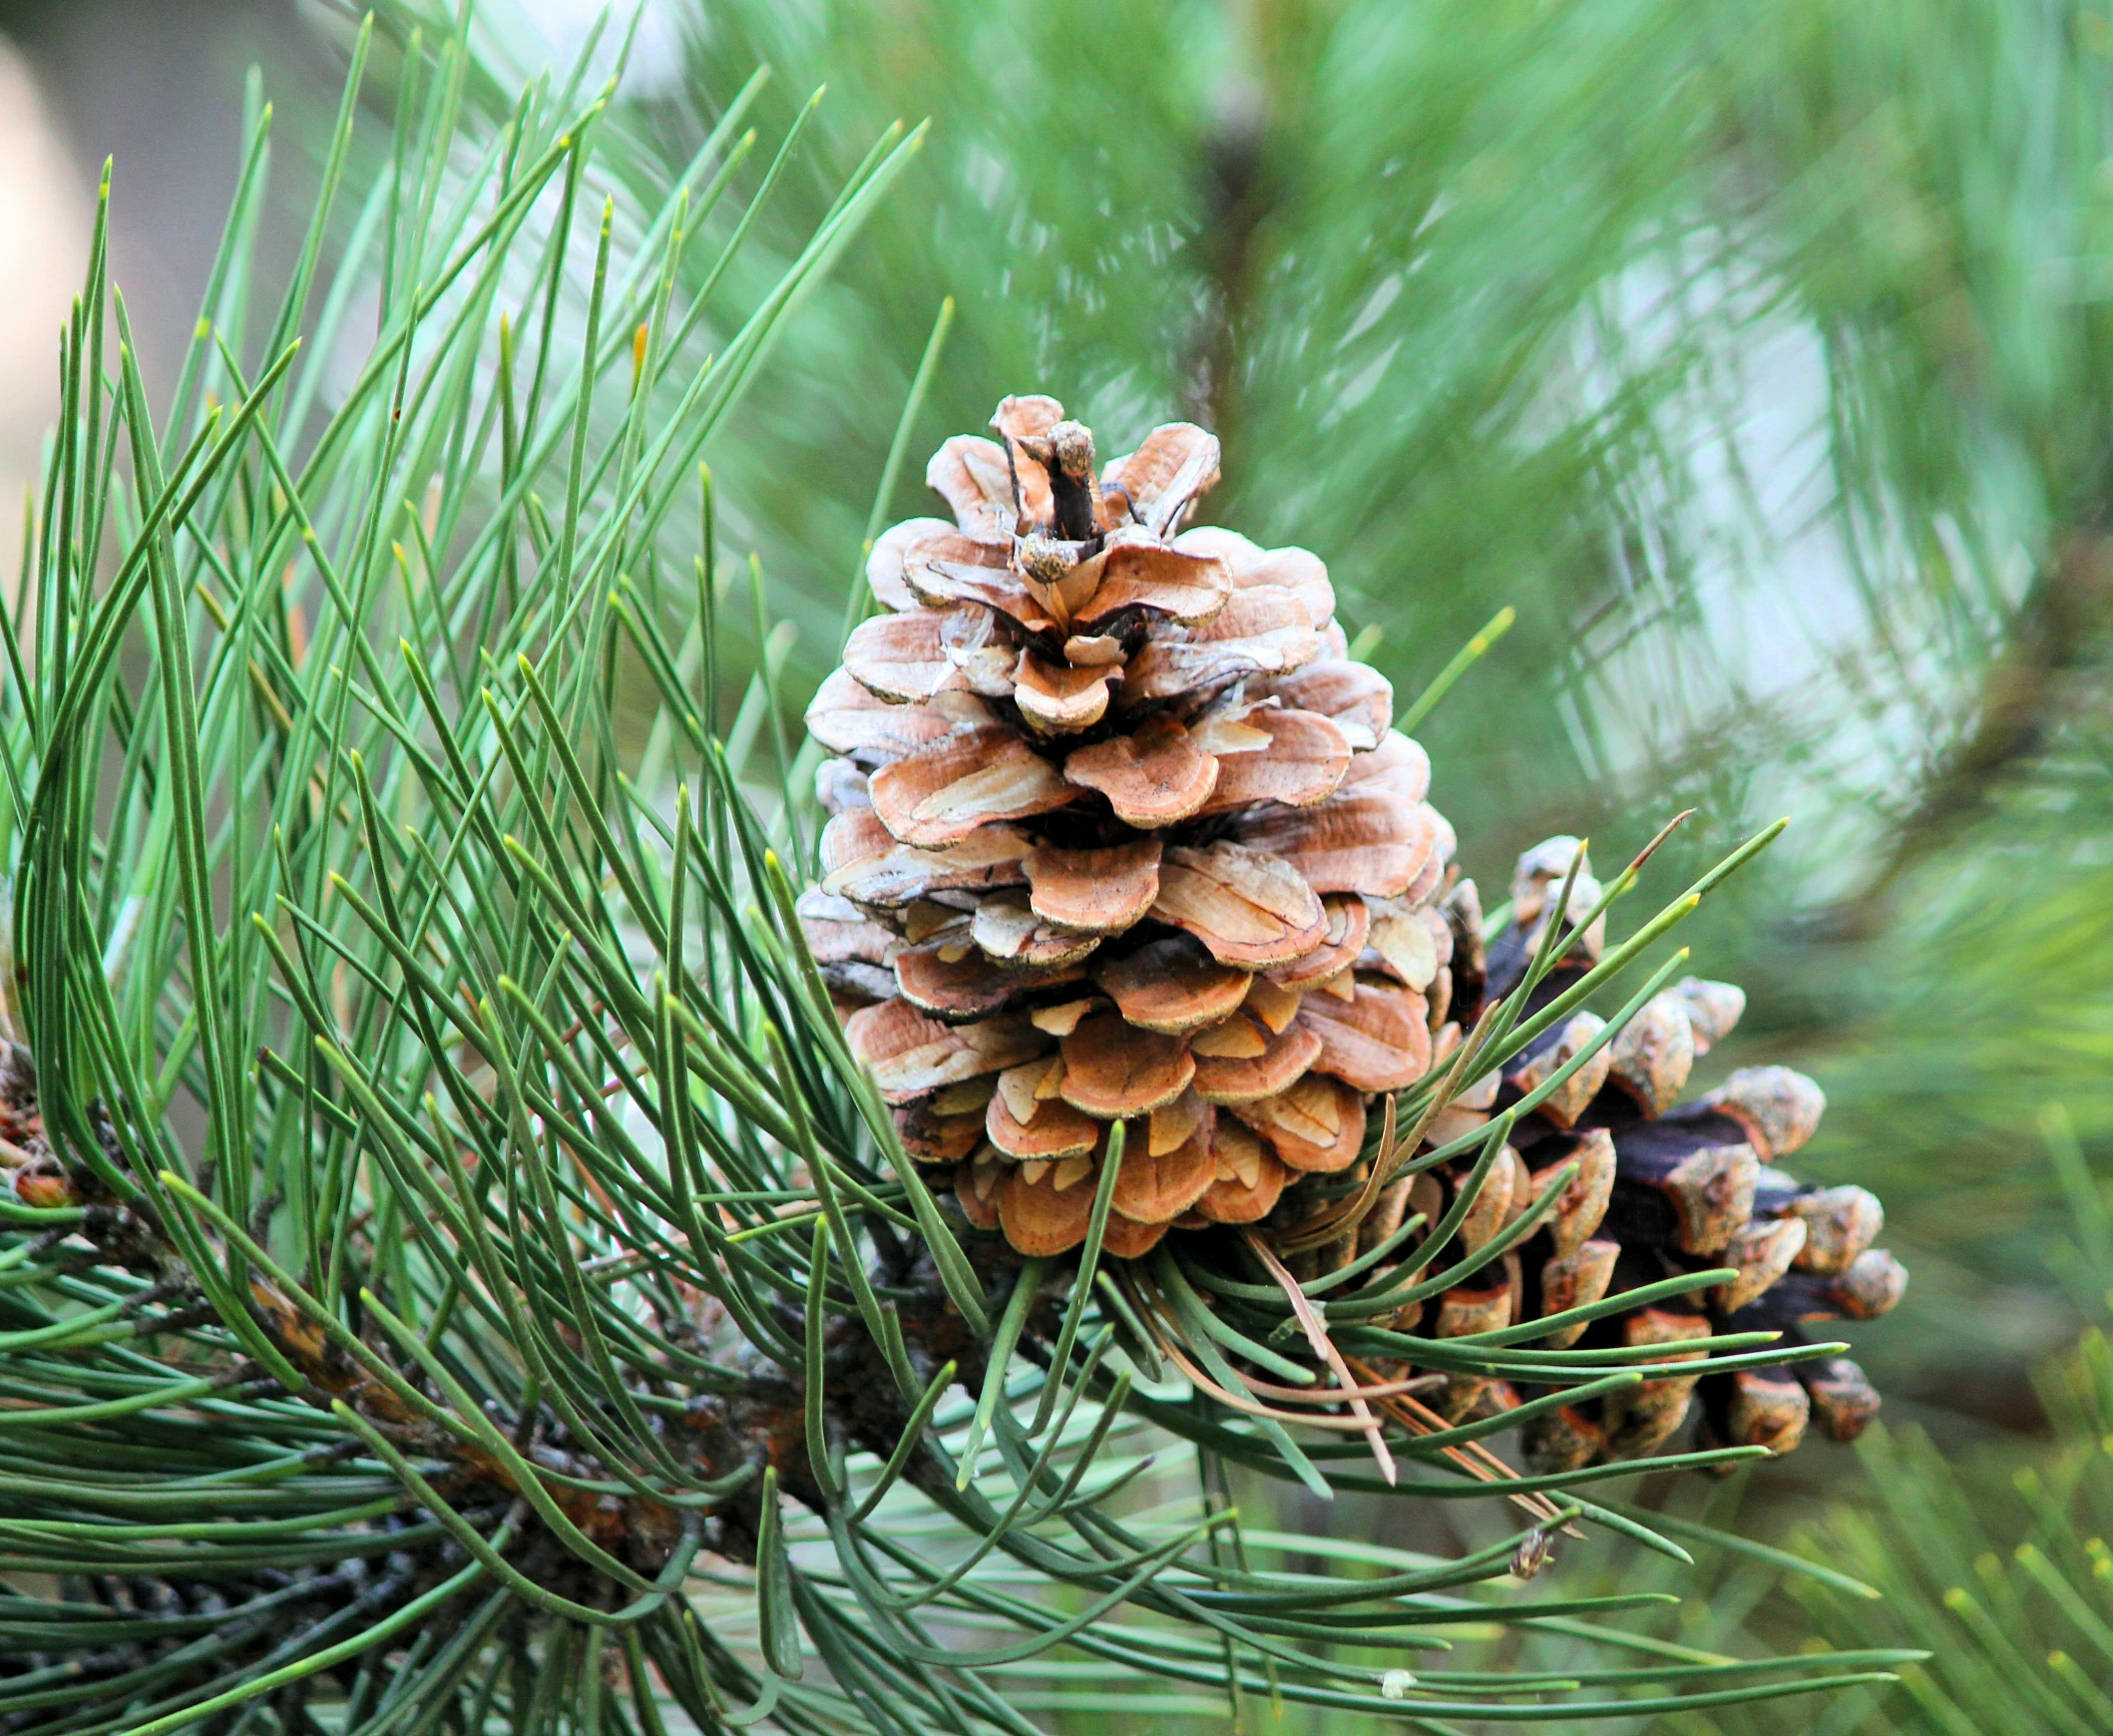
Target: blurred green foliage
1755	353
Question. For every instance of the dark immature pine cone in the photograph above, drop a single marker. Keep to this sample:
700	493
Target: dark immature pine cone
1664	1188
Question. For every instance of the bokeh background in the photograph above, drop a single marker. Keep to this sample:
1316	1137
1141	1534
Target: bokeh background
1758	354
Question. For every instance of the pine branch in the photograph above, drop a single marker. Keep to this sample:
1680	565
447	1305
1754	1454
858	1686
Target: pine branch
453	1266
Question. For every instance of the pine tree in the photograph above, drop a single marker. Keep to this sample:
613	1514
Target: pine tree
451	1237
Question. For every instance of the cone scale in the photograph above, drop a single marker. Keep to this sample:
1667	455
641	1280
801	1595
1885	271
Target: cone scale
1119	832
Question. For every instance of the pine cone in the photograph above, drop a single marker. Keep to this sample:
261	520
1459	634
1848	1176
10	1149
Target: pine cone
1662	1188
1119	832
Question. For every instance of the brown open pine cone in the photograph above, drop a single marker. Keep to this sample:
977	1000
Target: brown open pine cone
1119	832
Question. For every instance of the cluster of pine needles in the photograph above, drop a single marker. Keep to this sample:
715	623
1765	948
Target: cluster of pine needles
453	1275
